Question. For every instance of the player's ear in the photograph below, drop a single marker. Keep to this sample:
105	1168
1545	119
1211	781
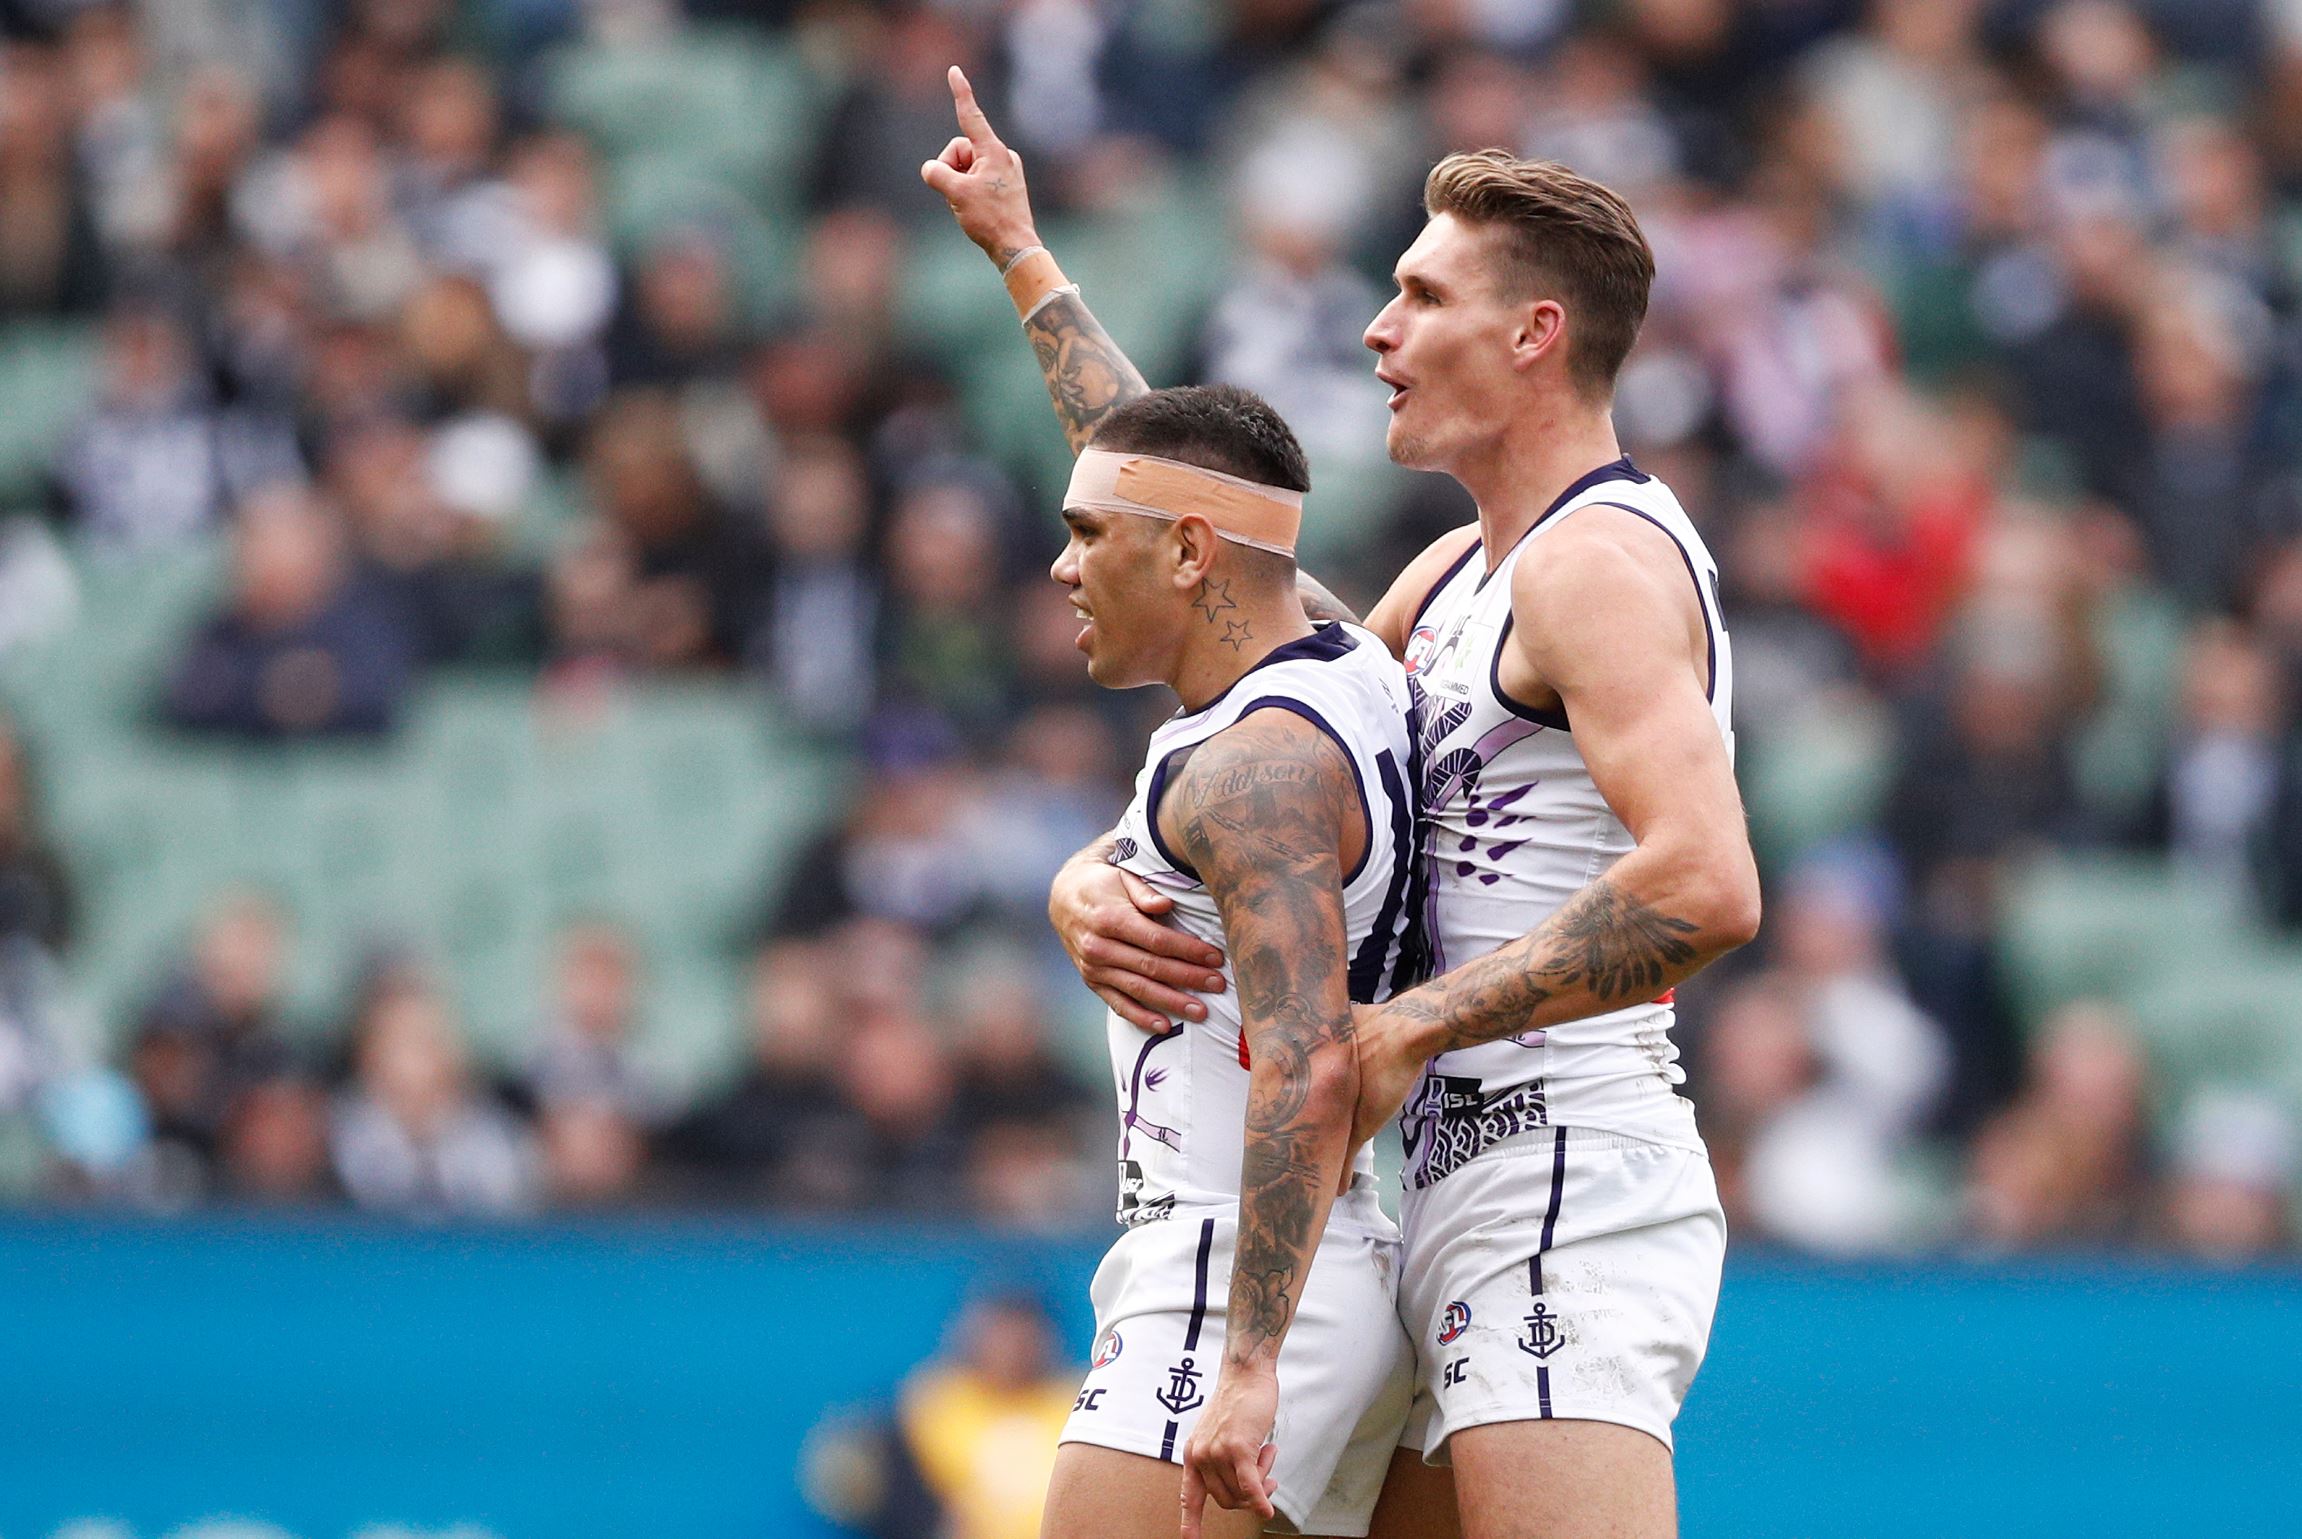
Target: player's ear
1542	333
1195	545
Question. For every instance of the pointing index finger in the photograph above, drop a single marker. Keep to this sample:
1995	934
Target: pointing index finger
972	122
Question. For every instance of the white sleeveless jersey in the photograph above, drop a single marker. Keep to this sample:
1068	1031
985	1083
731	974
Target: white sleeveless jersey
1183	1095
1513	827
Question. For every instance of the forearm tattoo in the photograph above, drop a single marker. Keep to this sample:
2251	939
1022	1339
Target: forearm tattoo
1088	377
1259	811
1604	950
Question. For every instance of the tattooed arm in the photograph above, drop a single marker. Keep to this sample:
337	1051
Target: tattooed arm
1269	814
1607	625
1088	377
1318	603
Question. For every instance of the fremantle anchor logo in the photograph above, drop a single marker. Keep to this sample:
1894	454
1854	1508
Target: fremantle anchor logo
1543	1336
1182	1391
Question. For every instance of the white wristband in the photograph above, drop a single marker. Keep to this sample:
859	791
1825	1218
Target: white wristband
1049	298
1016	260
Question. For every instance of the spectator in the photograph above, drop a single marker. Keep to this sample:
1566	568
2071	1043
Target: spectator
2231	1187
215	1030
2225	769
909	849
585	1056
50	260
696	574
145	470
274	1144
2064	1163
424	557
412	1135
814	647
36	894
945	645
947	1460
1973	351
766	1137
301	651
1827	1073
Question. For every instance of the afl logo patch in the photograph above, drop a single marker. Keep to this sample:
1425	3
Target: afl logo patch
1419	646
1454	1322
1107	1350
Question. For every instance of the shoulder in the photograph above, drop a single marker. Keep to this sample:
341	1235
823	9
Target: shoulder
1605	573
1394	617
1276	775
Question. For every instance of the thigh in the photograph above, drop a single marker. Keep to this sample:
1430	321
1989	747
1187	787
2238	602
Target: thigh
1418	1501
1563	1480
1576	1287
1101	1493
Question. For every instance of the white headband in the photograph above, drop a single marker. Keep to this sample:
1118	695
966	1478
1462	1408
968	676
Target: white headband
1242	511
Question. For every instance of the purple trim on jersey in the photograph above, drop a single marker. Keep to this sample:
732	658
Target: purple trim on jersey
1710	631
1151	812
1614	470
1535	1261
1558	1185
1128	1118
1450	575
1300	708
1366	975
1326	643
1555	720
1199	1286
1328	640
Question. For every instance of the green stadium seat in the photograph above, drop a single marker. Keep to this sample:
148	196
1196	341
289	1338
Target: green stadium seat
47	377
1820	776
2078	926
729	99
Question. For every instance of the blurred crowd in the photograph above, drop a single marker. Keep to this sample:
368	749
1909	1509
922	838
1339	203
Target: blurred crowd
1975	351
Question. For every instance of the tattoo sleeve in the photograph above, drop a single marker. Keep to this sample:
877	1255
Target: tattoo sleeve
1260	810
1088	377
1318	603
1604	950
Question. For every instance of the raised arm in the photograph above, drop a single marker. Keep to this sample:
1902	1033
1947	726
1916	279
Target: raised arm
1608	620
1265	812
1088	377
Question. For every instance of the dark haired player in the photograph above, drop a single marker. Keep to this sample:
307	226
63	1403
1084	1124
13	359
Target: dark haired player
1274	815
1585	841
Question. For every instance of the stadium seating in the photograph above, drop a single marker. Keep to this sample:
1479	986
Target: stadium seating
494	818
47	373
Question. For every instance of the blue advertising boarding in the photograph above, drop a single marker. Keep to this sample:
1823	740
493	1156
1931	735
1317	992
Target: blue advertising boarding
344	1380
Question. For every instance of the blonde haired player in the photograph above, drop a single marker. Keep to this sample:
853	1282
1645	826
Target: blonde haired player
1586	844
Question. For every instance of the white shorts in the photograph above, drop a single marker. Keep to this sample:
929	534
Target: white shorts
1346	1370
1562	1274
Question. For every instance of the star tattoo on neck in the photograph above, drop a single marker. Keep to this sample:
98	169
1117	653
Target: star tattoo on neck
1213	597
1236	634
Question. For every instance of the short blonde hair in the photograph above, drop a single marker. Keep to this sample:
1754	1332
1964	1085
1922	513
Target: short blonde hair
1569	236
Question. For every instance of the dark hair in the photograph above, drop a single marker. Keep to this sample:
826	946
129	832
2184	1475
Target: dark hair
1216	427
1567	234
